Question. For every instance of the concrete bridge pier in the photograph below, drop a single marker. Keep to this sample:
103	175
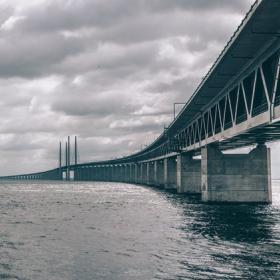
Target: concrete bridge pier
128	172
138	173
91	172
124	173
107	173
170	172
101	173
150	173
76	173
236	177
188	174
145	173
120	173
117	173
159	173
112	173
132	173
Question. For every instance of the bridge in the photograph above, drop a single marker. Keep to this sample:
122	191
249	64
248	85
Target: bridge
236	105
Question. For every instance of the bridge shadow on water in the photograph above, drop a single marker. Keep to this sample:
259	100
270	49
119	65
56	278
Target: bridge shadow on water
232	222
245	238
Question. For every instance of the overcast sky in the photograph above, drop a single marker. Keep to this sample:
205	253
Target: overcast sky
107	71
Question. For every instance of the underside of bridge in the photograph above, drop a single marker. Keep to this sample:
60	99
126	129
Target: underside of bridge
236	105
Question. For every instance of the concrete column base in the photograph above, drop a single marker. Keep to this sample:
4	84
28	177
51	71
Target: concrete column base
138	176
170	173
150	172
188	174
236	177
159	173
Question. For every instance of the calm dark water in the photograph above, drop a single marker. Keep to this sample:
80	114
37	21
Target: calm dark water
119	231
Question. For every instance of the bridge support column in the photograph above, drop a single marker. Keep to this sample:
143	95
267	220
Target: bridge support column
141	173
170	173
126	173
151	171
90	170
188	174
114	173
129	171
236	177
138	173
100	173
159	173
132	173
145	173
119	173
104	175
110	172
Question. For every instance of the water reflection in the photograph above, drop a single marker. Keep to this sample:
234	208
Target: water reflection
227	241
235	223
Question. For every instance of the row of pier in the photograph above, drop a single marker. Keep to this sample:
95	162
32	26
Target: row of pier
216	176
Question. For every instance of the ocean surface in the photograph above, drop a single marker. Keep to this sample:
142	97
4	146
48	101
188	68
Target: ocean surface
117	231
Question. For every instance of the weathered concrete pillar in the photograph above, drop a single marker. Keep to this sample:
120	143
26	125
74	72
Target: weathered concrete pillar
142	174
80	174
117	173
132	176
84	173
127	173
120	173
109	173
132	173
76	174
135	167
236	177
114	173
93	172
188	174
159	173
151	173
145	170
138	173
170	175
106	173
124	173
101	172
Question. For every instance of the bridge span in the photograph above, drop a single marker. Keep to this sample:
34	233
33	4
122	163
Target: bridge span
237	104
